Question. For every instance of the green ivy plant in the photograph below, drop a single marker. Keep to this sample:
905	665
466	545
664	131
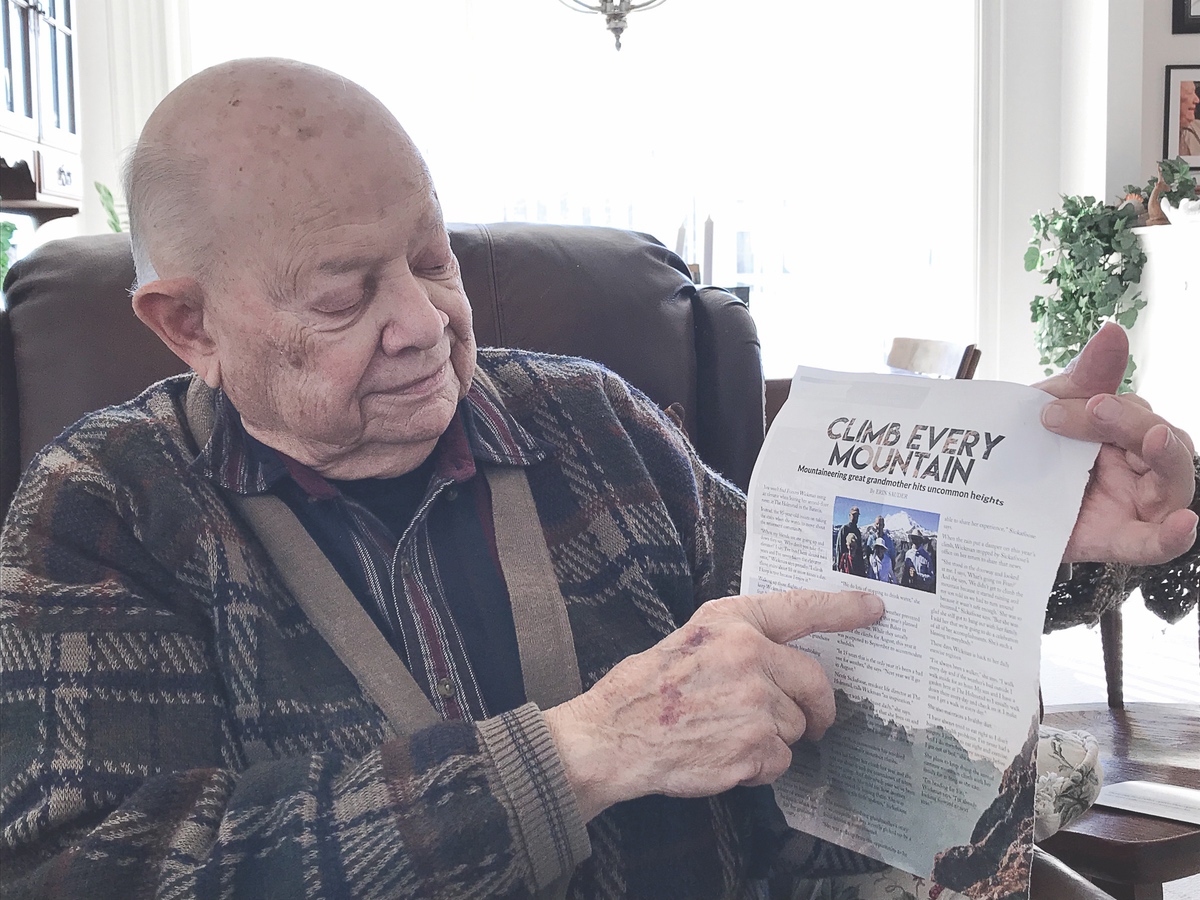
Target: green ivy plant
6	233
109	202
1176	174
1089	256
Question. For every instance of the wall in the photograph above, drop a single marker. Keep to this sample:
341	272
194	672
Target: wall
1160	49
1126	59
131	53
1083	76
1019	164
1063	83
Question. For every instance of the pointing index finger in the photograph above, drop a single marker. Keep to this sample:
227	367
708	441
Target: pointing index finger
784	616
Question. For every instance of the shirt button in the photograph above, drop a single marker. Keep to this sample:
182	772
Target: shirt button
405	567
445	688
452	494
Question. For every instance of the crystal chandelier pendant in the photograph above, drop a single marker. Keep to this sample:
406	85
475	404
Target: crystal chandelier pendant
614	12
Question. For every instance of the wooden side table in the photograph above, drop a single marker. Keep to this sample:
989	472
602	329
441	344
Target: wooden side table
1127	854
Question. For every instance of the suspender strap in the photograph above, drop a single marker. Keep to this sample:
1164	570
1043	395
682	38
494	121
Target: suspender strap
326	599
549	666
337	615
548	663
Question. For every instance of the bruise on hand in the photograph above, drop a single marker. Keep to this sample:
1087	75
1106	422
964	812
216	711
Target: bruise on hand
668	691
698	636
672	699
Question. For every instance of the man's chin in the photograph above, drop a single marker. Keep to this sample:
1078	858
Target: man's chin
384	456
401	426
390	415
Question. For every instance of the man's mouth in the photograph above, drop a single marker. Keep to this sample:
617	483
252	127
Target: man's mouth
425	383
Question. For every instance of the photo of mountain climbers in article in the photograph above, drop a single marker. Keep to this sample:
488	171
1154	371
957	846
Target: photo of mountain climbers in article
892	544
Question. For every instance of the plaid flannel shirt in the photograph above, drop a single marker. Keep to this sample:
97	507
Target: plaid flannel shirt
418	551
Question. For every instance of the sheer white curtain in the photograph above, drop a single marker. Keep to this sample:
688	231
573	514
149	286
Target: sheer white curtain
832	145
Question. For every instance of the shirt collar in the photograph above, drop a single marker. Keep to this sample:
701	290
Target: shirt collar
482	430
494	435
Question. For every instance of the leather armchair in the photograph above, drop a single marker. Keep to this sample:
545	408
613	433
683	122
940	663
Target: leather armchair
70	343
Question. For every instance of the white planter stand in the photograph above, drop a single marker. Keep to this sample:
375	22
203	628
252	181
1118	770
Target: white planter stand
1166	339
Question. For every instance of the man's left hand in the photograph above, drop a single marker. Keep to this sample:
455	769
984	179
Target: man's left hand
1135	506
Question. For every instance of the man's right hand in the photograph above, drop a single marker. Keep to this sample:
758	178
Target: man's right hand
713	705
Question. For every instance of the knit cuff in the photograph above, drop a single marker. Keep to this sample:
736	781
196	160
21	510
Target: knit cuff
1168	589
550	829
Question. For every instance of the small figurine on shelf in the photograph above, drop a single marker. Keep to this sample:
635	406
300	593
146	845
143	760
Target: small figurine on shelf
1185	211
1168	198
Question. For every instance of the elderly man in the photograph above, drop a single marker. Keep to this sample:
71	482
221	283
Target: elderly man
356	610
1189	125
850	546
919	560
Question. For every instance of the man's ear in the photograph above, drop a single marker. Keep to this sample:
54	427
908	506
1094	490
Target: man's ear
173	308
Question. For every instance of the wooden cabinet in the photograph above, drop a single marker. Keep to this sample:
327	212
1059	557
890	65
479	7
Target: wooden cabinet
39	121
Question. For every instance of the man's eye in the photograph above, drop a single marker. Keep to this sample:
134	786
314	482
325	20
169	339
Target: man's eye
436	269
347	302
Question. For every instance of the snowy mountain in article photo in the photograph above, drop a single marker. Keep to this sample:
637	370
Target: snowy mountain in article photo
910	795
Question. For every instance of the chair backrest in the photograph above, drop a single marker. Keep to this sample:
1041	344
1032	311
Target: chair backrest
70	343
939	359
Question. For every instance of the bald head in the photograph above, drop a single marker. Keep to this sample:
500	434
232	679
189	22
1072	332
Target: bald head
244	147
292	252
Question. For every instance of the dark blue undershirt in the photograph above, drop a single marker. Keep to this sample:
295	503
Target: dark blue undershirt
461	533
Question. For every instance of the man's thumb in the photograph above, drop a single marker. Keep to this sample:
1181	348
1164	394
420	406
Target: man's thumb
1098	369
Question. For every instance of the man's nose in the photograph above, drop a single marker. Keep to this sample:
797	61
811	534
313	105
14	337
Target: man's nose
413	322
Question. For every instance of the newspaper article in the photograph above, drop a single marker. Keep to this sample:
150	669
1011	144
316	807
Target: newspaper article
952	502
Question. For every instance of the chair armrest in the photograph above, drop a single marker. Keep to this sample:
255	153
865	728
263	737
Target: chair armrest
777	393
1052	880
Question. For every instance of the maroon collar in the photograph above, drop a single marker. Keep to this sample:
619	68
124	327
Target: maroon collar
482	429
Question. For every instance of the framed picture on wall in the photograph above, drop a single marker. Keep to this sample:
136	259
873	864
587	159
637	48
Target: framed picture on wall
1185	16
1181	128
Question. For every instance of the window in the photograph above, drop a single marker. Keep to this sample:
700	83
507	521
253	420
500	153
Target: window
58	66
39	70
39	133
16	33
745	256
836	140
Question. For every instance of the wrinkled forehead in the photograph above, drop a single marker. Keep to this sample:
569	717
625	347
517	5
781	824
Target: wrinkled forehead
315	152
313	173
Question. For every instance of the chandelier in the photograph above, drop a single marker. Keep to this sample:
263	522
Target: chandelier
614	11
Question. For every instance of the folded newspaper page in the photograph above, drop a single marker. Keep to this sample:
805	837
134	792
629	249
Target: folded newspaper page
952	502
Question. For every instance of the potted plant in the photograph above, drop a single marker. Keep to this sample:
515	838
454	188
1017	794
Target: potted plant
109	204
1173	184
6	233
1091	259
